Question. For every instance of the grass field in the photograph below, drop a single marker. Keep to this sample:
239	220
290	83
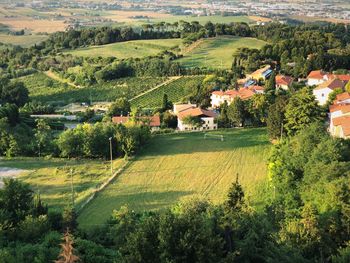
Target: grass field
24	41
45	89
176	91
52	179
123	50
179	167
217	52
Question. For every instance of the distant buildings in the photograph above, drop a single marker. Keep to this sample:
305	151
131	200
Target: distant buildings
219	97
322	91
283	82
152	121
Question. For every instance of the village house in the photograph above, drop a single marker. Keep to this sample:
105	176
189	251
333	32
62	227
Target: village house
219	97
283	82
152	121
342	98
322	91
317	77
263	73
206	118
339	120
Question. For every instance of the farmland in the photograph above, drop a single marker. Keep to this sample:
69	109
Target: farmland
123	50
52	177
24	41
179	167
175	90
203	19
45	89
217	52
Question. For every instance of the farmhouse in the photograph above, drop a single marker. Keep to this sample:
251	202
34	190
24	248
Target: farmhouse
283	82
263	73
219	97
152	121
195	118
322	91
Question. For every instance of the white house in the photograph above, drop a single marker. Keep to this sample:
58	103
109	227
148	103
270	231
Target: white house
207	119
283	82
336	111
219	97
317	77
322	91
341	127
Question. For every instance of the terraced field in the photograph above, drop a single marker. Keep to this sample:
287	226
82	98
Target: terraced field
176	91
179	167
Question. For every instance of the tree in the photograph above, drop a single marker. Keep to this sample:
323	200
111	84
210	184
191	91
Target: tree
67	252
43	135
223	120
119	107
236	112
15	93
235	196
166	105
302	110
332	96
69	218
275	117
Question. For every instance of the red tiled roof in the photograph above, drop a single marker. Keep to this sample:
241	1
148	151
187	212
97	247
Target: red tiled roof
283	80
343	96
345	108
344	122
316	74
153	121
243	93
255	87
196	112
343	77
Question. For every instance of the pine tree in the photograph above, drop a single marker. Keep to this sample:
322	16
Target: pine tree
67	252
235	197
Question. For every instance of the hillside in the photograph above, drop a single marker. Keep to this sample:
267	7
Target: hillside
179	167
217	52
123	50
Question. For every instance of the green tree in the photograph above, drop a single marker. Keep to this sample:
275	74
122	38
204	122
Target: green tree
119	107
275	117
236	112
43	136
302	110
235	196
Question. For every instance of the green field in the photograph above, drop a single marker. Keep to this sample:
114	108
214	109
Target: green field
123	50
217	52
52	178
176	91
179	167
24	41
45	89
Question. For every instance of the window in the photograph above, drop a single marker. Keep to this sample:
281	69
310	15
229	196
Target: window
322	94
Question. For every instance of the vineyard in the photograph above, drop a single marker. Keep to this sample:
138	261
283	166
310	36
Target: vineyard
176	91
45	89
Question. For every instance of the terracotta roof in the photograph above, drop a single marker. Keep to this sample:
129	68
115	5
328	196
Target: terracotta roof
343	96
343	77
243	93
344	122
331	84
283	80
153	121
344	108
196	112
261	70
255	87
316	74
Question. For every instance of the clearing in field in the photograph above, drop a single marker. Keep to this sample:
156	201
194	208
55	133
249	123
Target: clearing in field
176	90
217	52
179	167
24	41
52	178
123	50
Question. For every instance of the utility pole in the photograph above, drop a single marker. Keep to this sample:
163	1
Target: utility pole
72	185
111	154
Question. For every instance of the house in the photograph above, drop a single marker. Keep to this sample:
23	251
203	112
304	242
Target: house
341	127
342	98
283	82
206	119
152	121
257	89
181	107
322	91
219	97
317	77
263	73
